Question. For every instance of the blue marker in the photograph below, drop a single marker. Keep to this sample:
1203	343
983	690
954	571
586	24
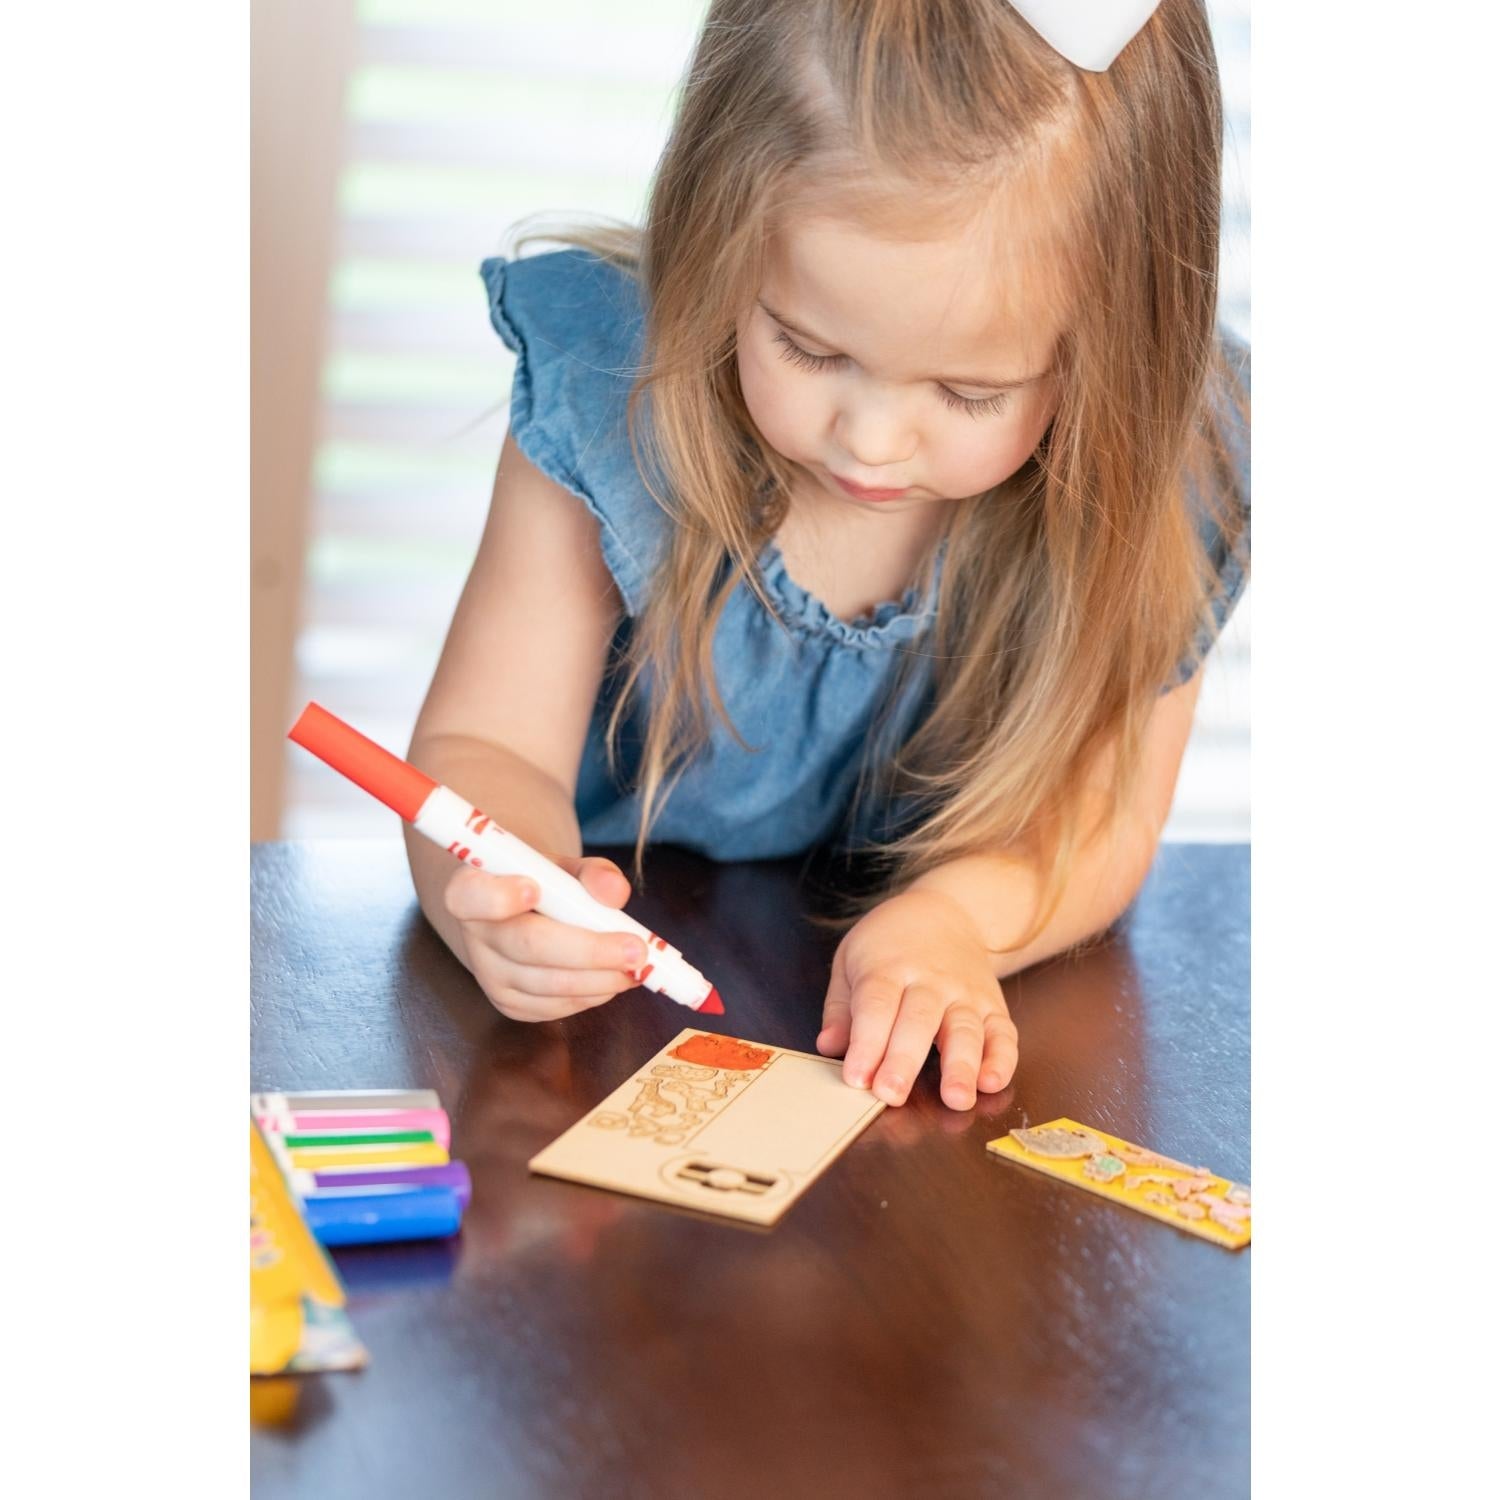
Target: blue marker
376	1214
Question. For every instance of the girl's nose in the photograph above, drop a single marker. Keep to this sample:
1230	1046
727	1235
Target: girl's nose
872	432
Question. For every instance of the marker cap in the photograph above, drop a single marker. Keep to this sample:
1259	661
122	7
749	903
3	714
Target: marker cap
400	786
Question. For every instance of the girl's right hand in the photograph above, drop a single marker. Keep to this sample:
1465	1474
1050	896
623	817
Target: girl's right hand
531	967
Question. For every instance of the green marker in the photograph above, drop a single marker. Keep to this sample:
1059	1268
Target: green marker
305	1139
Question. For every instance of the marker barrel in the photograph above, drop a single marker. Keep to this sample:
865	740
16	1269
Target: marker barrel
345	1099
366	1122
317	1158
374	1215
305	1140
468	834
453	1175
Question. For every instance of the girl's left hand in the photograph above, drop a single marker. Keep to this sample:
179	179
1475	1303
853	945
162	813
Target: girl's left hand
912	971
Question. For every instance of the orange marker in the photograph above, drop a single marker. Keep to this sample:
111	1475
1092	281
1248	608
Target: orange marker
472	836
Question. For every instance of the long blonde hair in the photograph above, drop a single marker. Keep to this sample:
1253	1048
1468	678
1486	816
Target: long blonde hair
1070	592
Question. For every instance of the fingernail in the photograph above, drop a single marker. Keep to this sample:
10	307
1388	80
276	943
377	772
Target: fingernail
858	1078
530	894
890	1090
632	956
990	1081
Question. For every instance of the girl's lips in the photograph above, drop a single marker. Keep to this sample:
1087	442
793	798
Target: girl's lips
861	493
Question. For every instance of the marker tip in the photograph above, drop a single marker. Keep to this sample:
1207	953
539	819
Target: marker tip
713	1006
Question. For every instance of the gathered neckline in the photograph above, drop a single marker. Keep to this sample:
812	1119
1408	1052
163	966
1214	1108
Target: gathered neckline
892	623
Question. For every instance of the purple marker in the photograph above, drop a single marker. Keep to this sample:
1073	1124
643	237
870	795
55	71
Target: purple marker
454	1176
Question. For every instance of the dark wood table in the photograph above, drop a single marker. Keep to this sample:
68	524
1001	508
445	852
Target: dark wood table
927	1320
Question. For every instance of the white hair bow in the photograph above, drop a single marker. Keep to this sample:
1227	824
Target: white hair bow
1090	33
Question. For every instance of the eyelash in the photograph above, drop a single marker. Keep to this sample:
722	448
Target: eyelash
801	358
988	406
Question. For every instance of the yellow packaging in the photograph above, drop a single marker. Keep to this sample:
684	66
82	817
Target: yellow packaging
297	1317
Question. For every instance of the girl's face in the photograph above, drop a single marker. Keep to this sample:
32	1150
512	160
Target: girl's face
897	373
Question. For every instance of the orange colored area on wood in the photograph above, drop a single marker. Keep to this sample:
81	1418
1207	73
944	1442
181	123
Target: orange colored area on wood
722	1052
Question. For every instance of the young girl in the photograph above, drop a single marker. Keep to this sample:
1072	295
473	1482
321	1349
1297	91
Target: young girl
884	493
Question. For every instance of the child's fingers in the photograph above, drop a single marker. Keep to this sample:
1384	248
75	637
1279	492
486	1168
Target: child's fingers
602	878
517	1005
911	1040
474	896
1001	1053
834	1037
505	986
541	942
872	1008
960	1044
573	984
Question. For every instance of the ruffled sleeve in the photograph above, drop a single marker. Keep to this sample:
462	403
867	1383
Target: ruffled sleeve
1228	411
575	324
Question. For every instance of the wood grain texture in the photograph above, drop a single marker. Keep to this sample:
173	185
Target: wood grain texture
927	1320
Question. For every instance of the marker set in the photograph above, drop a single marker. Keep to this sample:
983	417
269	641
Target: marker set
367	1167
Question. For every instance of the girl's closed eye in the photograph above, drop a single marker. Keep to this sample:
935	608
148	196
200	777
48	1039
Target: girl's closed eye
973	406
803	358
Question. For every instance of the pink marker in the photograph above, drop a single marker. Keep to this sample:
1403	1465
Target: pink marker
472	836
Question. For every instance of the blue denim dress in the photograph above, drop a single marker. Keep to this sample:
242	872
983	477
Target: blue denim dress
802	686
